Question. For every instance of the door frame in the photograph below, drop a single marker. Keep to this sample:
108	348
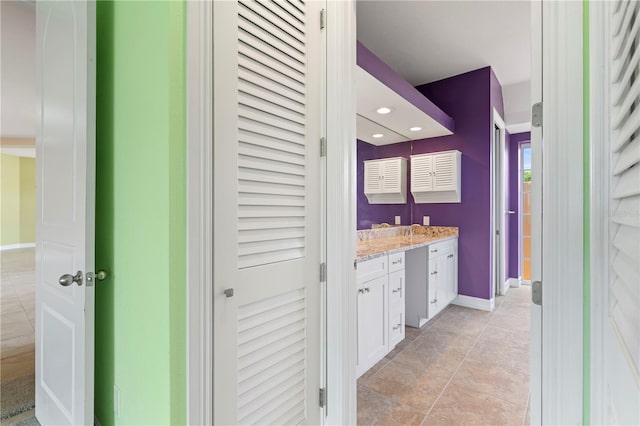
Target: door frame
559	156
498	215
340	186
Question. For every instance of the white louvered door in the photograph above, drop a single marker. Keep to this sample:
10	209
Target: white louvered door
622	329
267	128
444	178
373	177
422	172
392	175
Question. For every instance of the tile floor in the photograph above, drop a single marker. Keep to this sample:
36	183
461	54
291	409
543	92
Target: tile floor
17	313
463	367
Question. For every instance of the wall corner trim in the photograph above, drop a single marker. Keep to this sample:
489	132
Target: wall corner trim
475	303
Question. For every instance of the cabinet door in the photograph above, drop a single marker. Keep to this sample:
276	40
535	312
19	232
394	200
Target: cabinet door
396	327
373	340
432	285
452	276
442	290
421	173
373	177
396	289
444	172
391	176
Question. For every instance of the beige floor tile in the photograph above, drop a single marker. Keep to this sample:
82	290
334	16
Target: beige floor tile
10	304
457	406
501	356
364	379
376	409
400	383
16	346
18	325
506	319
498	337
17	366
492	380
437	339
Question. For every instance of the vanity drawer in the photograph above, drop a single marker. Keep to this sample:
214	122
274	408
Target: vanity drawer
396	288
396	262
437	249
396	328
370	269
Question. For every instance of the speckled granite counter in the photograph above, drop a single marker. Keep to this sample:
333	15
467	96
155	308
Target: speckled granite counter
373	243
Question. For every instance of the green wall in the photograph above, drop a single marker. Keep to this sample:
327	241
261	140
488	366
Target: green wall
17	203
141	212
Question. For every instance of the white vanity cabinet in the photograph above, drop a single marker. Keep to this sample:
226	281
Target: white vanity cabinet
431	280
436	177
385	180
380	305
396	299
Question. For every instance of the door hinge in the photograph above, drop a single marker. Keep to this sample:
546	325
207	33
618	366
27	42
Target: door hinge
323	147
323	272
323	19
323	397
536	292
536	115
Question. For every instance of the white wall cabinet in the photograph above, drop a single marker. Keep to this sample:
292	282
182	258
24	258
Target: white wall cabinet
380	306
431	280
436	177
385	180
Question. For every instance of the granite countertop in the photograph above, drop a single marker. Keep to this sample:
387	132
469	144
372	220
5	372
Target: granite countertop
378	242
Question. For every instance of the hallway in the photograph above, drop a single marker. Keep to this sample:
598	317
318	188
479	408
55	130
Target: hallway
17	330
464	367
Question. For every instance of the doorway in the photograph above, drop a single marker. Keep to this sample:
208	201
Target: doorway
524	221
500	283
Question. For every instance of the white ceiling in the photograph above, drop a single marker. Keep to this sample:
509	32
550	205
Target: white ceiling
426	40
18	61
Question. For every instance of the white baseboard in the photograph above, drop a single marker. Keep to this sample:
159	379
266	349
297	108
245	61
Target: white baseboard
514	282
17	246
474	303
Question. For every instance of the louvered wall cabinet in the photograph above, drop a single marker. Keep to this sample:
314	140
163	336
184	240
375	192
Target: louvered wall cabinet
385	180
436	177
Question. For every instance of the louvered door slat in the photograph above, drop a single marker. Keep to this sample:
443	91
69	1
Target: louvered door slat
270	39
271	97
629	156
625	181
278	12
619	42
281	23
632	94
293	9
263	55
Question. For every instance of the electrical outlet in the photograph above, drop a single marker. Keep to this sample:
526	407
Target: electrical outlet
398	220
425	220
116	401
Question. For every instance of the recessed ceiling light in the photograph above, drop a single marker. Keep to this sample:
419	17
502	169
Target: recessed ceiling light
415	129
378	135
383	110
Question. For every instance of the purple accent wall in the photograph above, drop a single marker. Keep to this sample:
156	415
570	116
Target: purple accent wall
368	61
515	141
467	98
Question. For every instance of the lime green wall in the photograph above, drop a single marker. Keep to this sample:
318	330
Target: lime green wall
18	209
141	212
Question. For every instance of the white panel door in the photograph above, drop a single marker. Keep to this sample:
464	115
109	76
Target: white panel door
65	147
267	128
373	306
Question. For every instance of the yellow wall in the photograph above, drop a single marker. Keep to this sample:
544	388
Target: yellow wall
17	199
27	200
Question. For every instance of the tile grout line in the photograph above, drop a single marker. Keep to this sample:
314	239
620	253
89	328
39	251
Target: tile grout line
458	368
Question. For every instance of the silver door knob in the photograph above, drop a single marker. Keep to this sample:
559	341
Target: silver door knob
101	275
68	279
